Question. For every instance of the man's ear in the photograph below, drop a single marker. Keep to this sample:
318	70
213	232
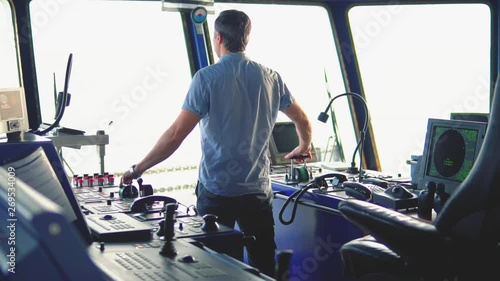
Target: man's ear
219	38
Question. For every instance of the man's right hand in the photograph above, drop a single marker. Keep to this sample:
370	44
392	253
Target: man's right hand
126	178
299	154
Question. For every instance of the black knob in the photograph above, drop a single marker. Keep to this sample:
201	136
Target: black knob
426	201
441	197
170	220
210	223
431	186
129	191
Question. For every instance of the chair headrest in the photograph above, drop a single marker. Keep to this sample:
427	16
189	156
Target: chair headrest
469	212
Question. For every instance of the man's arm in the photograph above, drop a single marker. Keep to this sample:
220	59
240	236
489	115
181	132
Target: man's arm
167	144
304	130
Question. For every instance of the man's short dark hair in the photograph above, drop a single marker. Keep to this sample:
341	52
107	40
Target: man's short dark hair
234	26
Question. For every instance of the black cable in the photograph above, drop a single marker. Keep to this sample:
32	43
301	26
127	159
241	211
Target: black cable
190	208
296	195
64	101
353	161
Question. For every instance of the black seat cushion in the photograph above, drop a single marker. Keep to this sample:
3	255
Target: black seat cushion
365	255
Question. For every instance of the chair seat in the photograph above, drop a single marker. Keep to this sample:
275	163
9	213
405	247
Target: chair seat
365	255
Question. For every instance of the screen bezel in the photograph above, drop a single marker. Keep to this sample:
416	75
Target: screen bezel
22	121
277	157
15	151
47	239
450	184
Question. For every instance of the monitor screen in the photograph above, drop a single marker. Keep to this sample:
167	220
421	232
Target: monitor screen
13	113
283	140
450	150
40	171
37	241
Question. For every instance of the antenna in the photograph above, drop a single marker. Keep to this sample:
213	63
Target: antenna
336	141
55	94
62	104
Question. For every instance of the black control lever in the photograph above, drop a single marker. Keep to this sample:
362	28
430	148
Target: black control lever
168	249
144	189
166	227
128	191
297	175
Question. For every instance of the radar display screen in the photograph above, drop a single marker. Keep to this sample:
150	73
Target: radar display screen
453	151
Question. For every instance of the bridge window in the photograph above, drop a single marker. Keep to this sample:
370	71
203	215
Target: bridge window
419	62
129	77
297	41
9	69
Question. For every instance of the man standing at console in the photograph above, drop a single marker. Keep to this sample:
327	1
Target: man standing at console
236	101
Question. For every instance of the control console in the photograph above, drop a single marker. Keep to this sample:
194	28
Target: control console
117	227
119	219
143	261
